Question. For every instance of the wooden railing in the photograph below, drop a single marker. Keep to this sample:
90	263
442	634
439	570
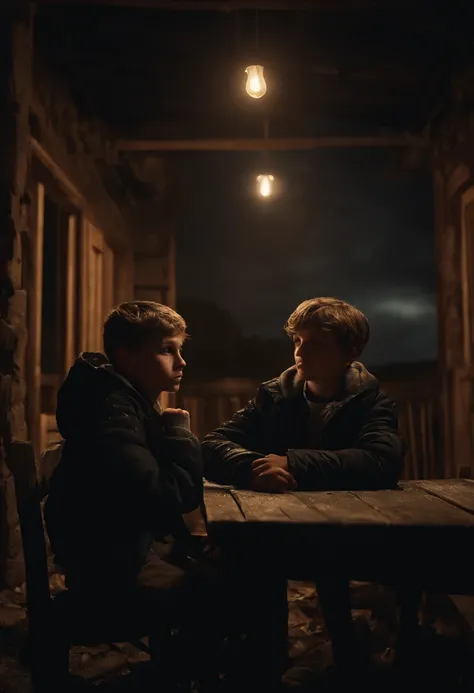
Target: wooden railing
419	424
210	403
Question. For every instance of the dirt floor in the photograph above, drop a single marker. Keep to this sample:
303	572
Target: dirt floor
444	661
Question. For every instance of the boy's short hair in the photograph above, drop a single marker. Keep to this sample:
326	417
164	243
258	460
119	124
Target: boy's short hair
349	325
130	325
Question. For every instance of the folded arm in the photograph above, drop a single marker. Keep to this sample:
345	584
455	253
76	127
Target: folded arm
374	462
158	490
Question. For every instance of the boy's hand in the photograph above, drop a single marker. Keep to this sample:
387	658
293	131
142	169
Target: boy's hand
268	476
176	417
278	461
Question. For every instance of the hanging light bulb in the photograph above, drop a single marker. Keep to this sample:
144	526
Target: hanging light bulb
265	185
256	86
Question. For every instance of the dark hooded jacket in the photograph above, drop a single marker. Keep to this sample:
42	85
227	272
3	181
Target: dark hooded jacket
123	479
358	446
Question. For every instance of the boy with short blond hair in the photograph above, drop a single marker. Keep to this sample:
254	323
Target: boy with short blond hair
128	472
323	424
121	496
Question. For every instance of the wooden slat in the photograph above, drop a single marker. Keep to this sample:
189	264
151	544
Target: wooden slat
458	492
93	274
402	427
423	430
433	468
99	306
411	506
232	5
222	409
221	506
412	441
84	283
71	294
109	281
35	299
281	507
342	507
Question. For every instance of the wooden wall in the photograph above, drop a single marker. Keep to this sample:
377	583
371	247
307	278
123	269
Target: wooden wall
454	199
97	286
86	291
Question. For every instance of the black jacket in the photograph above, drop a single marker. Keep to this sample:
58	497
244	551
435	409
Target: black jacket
358	447
123	478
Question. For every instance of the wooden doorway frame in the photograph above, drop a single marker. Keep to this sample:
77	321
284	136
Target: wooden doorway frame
78	234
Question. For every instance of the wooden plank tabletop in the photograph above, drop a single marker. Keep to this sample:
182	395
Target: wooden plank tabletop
418	531
417	504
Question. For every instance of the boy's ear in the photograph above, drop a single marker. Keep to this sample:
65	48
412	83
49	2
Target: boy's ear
122	357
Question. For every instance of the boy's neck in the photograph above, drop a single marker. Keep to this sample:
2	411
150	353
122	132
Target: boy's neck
326	389
152	397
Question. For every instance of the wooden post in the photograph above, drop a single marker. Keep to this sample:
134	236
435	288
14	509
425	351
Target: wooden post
84	244
35	318
71	293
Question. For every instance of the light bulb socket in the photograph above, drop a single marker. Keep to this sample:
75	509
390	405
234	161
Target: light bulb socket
254	58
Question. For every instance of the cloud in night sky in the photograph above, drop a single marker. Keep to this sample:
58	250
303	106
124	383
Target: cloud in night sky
345	225
405	309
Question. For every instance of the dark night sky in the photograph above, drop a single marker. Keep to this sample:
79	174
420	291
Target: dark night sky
347	224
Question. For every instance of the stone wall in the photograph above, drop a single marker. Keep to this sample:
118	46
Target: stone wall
15	87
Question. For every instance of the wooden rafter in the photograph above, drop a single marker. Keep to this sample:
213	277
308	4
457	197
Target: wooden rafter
236	5
261	144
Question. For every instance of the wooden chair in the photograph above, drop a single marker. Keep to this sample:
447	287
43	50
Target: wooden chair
56	623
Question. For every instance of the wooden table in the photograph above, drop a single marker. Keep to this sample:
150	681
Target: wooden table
423	530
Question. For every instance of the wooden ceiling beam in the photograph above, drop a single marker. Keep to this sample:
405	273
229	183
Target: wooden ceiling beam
236	5
261	144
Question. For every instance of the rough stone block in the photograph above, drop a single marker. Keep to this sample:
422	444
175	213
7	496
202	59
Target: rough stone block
14	574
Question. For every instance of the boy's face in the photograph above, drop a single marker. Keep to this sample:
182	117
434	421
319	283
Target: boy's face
156	367
318	356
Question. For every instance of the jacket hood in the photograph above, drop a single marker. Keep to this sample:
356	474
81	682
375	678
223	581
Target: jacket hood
89	382
357	379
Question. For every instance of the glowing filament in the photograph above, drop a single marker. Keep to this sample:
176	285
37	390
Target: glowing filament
265	185
256	86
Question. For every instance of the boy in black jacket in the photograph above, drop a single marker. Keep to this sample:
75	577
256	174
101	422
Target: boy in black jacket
128	472
324	424
129	478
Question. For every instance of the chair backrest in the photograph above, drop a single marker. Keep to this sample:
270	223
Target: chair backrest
29	495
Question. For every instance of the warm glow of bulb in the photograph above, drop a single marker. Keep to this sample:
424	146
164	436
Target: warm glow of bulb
265	185
256	86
